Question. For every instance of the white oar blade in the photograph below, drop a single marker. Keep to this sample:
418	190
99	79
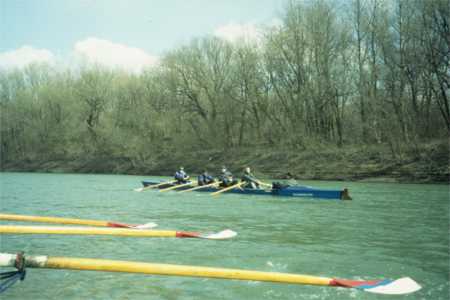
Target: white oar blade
225	234
145	226
400	286
139	189
7	260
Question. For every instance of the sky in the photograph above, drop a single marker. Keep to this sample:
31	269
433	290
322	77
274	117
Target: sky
128	34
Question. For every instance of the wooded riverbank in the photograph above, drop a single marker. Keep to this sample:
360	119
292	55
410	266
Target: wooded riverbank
426	164
363	93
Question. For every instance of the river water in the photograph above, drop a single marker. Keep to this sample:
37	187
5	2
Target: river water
387	231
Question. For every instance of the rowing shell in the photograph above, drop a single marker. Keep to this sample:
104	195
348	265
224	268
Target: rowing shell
12	229
394	287
290	191
73	221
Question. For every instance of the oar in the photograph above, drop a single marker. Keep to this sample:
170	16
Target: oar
228	188
154	186
72	221
393	287
177	186
264	184
10	229
200	187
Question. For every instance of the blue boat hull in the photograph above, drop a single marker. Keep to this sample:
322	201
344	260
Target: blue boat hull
291	191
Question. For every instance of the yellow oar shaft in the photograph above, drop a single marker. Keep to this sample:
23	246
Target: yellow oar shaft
163	269
158	185
193	271
177	186
227	188
200	187
57	220
85	231
266	184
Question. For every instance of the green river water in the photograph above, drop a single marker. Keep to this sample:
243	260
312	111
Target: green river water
387	231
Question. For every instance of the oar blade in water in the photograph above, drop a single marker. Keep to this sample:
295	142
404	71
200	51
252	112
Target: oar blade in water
145	226
400	286
224	234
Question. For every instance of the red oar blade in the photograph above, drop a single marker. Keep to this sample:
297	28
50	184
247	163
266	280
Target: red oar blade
400	286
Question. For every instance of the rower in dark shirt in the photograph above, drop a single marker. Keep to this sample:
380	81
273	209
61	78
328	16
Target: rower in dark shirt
205	178
226	178
181	176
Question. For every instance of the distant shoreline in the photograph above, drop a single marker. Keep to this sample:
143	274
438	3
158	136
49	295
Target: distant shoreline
374	164
381	179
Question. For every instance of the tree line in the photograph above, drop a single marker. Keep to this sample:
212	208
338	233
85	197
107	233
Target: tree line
355	72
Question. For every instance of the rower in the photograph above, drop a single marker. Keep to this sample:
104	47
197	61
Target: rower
226	178
205	178
181	176
250	180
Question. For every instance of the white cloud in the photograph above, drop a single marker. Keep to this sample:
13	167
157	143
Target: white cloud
235	32
90	50
24	56
110	54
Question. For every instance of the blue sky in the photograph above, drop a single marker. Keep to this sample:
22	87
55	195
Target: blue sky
150	26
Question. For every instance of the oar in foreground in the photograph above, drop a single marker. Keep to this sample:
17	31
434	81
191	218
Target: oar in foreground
228	188
11	229
72	221
200	187
400	286
178	186
154	186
